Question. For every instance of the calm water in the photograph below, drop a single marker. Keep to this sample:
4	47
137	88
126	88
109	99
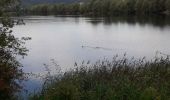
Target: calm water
74	39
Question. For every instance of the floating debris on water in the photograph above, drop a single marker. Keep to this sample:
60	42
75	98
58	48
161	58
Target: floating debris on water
103	48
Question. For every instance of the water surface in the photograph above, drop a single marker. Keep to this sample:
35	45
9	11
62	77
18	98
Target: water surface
74	39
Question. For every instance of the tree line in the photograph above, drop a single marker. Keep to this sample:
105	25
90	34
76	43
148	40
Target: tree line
104	8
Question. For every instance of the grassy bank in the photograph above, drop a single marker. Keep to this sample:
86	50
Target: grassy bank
105	8
116	79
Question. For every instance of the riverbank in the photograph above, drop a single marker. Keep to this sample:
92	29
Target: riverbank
118	79
104	8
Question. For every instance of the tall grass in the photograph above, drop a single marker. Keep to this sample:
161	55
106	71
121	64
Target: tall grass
116	79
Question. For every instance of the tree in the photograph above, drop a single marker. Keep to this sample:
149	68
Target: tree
106	7
11	74
167	4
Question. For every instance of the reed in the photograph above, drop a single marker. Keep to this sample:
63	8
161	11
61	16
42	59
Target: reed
116	79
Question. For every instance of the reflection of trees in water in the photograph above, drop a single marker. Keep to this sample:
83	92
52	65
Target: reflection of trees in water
157	21
11	74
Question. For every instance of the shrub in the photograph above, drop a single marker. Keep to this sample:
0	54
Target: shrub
119	79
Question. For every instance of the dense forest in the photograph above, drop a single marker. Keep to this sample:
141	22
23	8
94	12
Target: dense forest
104	8
33	2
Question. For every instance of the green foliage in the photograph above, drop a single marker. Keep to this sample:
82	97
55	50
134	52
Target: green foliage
150	94
167	4
107	7
11	74
46	9
119	79
42	9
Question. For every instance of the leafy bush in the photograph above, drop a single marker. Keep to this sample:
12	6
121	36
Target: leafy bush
11	74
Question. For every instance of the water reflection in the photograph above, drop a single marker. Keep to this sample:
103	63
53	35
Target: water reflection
62	38
74	39
156	21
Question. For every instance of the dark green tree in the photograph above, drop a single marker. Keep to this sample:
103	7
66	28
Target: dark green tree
11	74
106	7
167	4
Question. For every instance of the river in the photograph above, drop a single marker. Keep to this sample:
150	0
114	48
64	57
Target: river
71	39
